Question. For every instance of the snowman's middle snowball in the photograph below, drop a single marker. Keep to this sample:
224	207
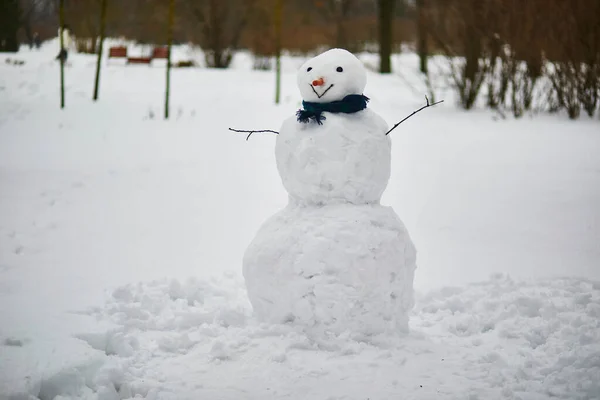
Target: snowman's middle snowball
345	160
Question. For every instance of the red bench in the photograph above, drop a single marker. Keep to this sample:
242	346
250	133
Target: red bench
157	53
139	60
117	52
160	52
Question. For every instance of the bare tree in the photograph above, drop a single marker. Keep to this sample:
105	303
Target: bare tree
169	43
385	11
422	35
29	11
100	46
458	32
9	25
335	13
221	25
82	18
278	23
574	60
259	36
61	21
342	10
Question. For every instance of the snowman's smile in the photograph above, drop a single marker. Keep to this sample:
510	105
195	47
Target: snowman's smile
322	94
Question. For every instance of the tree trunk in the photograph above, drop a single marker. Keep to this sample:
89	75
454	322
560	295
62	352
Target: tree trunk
99	61
340	32
169	43
61	22
340	11
28	33
278	22
385	18
422	35
217	15
221	25
9	25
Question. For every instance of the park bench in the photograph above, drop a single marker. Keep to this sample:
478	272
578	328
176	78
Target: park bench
117	52
121	52
139	60
160	52
157	53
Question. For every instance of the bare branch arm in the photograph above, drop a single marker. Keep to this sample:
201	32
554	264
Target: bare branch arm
414	112
251	132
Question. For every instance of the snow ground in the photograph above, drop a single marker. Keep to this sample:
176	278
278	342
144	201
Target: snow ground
121	239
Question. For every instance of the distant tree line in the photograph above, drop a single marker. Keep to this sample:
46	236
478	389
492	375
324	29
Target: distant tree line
502	53
510	49
222	26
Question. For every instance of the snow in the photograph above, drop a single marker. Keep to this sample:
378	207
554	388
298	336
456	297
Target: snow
122	238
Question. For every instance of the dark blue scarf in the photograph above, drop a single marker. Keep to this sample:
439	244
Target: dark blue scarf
349	104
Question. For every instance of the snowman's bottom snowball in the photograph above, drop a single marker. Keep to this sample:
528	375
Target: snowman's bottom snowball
333	269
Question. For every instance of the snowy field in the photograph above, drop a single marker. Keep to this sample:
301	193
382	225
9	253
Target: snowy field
122	235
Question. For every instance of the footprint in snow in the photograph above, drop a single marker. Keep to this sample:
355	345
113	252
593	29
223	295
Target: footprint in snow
14	342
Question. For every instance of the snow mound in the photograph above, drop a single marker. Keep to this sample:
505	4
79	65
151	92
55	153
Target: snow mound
332	269
539	337
170	305
495	339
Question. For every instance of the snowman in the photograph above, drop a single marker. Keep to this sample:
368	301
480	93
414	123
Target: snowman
334	260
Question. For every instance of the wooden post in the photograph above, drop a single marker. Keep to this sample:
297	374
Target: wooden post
278	22
61	21
169	43
99	62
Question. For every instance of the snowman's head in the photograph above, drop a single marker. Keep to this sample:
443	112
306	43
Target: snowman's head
331	76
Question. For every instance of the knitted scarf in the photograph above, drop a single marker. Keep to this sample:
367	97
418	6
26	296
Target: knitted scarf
349	104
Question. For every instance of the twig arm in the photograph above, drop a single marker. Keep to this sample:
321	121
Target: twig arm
251	132
414	112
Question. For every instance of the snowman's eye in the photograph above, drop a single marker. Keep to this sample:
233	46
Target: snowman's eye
308	69
339	69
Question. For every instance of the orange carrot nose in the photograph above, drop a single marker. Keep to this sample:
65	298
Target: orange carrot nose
318	82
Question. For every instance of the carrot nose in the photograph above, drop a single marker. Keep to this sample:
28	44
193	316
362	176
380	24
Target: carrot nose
318	82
